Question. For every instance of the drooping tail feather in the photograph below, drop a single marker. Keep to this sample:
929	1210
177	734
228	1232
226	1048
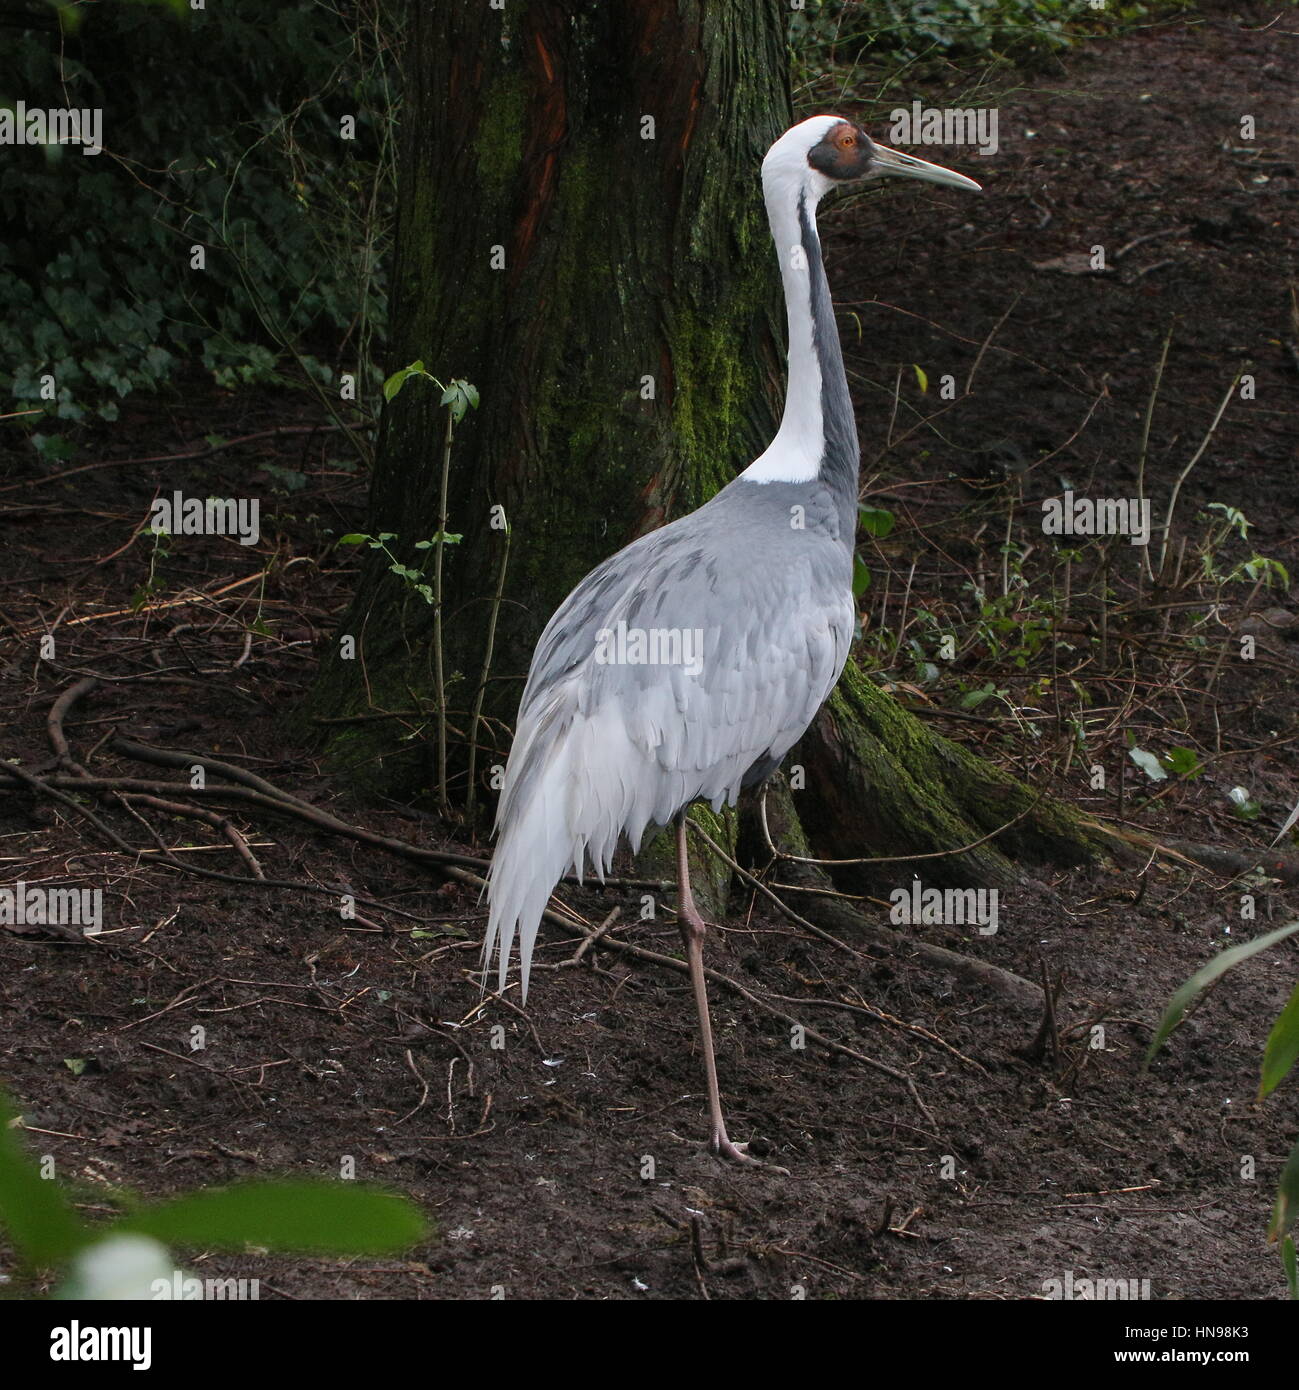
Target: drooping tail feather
576	780
535	846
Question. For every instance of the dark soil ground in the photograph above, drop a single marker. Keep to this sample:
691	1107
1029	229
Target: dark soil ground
568	1164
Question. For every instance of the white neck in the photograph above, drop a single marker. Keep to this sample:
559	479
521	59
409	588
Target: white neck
794	455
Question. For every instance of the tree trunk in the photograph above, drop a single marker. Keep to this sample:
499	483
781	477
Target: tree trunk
581	235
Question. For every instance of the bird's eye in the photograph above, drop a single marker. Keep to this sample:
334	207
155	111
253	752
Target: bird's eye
846	142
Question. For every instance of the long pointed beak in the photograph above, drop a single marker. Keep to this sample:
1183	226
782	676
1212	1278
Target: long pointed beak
906	166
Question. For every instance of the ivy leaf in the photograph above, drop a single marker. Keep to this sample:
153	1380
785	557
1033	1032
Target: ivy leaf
876	521
861	577
1183	761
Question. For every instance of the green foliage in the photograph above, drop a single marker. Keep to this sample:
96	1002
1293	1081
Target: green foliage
1284	1214
1261	570
826	32
1015	625
333	1218
877	522
153	582
1206	976
226	136
1243	804
458	395
411	576
1183	761
316	1216
1282	1048
38	1217
1280	1054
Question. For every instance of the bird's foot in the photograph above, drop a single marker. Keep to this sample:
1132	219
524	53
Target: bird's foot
739	1153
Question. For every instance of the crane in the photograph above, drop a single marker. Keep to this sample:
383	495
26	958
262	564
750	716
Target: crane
687	665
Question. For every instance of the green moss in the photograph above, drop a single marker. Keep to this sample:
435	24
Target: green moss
498	141
718	387
924	791
710	878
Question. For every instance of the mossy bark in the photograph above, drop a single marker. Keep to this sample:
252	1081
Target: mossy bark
880	783
581	235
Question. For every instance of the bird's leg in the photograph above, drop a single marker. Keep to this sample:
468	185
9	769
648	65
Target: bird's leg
693	930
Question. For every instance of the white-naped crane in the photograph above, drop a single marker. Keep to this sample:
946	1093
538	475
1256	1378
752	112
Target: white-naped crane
687	665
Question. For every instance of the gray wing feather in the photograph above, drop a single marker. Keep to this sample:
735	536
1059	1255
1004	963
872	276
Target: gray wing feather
773	609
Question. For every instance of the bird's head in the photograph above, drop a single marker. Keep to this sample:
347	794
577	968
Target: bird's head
823	151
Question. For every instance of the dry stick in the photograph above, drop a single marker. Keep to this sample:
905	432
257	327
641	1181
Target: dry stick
897	392
1145	438
50	788
734	985
265	793
439	683
497	598
896	858
222	824
762	888
40	784
202	1066
184	457
592	937
447	865
1149	236
991	976
1005	547
192	597
878	1016
1195	458
522	1013
59	742
419	1105
269	794
1223	650
969	380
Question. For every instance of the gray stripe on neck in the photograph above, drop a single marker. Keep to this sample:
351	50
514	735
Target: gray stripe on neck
842	456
